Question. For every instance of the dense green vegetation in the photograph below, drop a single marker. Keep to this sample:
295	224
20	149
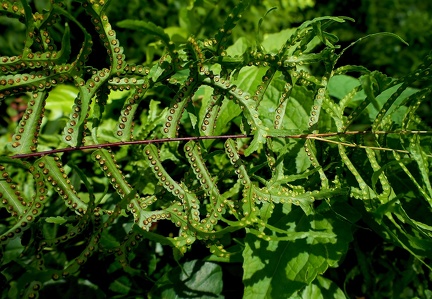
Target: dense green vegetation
212	149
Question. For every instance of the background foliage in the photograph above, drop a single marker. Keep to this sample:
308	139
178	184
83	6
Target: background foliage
306	207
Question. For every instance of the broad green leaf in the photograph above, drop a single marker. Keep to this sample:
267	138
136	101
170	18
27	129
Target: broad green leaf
121	285
12	250
176	34
238	48
228	111
302	161
273	42
108	240
321	288
194	279
340	85
298	108
298	262
249	78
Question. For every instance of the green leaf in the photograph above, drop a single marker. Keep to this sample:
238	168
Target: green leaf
302	161
419	156
195	279
12	251
299	262
249	77
121	285
56	220
322	288
340	85
273	42
147	27
238	48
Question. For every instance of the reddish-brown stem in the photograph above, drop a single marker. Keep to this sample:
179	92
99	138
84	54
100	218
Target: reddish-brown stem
163	140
